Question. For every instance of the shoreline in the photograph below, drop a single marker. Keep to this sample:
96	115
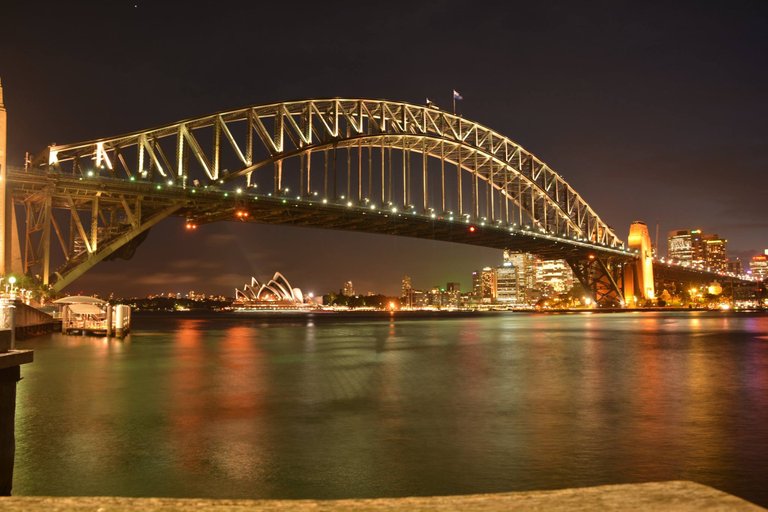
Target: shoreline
323	315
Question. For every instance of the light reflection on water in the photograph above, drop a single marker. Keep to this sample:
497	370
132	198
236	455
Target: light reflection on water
253	408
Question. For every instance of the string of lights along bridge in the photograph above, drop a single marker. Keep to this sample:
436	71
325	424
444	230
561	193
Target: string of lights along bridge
355	164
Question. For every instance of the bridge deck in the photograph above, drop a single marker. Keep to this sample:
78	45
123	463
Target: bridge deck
205	205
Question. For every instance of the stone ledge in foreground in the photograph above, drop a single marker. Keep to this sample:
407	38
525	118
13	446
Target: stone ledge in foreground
662	496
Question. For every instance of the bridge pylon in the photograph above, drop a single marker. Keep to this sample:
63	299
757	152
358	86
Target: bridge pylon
638	276
10	254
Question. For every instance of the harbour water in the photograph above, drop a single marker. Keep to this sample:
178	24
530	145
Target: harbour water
337	407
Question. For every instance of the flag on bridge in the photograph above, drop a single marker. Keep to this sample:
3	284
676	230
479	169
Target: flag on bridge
456	96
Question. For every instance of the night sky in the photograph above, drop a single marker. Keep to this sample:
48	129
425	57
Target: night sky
654	111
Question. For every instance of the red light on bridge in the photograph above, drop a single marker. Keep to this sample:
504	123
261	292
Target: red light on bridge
472	229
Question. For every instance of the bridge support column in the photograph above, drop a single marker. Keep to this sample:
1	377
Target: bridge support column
47	218
601	277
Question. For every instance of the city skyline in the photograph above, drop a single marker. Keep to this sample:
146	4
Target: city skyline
622	108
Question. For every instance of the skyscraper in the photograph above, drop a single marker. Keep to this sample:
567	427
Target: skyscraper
406	292
507	290
477	287
686	245
735	266
405	286
348	289
554	276
487	285
696	248
453	293
715	255
525	265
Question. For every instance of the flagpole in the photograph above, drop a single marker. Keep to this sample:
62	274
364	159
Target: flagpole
453	95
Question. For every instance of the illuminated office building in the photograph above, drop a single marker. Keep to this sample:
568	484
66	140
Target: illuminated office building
554	276
758	265
526	266
507	290
476	289
686	245
406	292
487	285
453	294
715	256
696	248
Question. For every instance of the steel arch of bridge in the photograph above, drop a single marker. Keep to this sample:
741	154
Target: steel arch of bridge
512	177
465	171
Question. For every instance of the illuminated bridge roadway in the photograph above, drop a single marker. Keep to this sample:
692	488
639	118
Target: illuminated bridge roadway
354	164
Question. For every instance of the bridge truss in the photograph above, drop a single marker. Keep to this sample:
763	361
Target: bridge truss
96	200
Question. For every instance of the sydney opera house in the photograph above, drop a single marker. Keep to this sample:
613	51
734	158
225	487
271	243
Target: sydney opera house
275	294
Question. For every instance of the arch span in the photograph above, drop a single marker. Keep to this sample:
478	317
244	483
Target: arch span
466	168
383	154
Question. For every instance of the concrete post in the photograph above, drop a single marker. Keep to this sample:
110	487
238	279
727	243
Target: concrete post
119	320
12	322
8	379
64	318
109	320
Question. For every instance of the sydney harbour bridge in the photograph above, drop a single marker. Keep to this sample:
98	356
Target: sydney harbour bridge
354	164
